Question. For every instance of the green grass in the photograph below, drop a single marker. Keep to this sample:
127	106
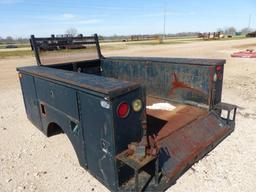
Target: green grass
115	46
23	45
18	53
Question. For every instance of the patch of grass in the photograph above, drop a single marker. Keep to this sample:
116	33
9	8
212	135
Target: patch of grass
156	42
18	53
3	46
105	46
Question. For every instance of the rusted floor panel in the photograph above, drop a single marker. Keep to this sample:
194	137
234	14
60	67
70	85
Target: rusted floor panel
176	118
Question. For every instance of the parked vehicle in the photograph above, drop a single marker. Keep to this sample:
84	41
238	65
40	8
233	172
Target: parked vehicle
252	34
11	46
136	123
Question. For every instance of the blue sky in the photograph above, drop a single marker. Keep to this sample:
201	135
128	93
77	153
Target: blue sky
108	17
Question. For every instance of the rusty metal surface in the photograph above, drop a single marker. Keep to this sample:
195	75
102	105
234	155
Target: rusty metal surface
182	118
187	132
138	165
132	161
182	147
177	84
225	106
176	118
110	86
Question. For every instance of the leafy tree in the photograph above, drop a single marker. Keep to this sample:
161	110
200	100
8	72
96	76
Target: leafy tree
9	39
230	31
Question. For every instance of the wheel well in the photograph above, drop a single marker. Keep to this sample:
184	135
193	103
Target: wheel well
53	129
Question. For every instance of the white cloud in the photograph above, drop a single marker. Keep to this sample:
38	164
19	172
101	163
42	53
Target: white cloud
57	17
68	16
60	17
68	19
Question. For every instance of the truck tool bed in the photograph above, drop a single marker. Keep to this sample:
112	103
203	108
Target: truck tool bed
136	123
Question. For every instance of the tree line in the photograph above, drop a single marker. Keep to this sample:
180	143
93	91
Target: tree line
71	32
233	31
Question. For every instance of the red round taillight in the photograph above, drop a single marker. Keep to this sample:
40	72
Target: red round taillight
123	110
219	68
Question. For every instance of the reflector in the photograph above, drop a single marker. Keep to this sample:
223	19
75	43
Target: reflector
137	105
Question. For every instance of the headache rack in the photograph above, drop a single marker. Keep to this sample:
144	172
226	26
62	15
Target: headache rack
62	50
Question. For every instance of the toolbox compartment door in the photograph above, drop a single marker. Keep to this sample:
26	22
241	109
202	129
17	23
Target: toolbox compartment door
97	123
30	99
58	96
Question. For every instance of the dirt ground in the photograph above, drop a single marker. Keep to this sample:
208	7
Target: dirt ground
31	162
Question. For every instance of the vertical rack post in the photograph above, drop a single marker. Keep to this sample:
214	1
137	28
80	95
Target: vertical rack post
98	46
35	49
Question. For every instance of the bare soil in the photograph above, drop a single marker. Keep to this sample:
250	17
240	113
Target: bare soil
31	162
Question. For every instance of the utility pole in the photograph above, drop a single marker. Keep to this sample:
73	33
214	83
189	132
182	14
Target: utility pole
165	5
249	23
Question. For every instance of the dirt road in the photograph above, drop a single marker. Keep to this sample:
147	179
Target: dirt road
31	162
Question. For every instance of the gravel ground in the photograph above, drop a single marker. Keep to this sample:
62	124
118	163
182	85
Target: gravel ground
31	162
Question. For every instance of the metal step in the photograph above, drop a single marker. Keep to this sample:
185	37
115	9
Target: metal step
144	179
